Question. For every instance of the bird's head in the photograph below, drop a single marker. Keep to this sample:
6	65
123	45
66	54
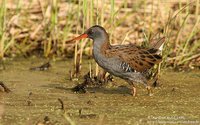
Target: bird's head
95	33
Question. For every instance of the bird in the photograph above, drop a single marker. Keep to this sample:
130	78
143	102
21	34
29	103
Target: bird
128	62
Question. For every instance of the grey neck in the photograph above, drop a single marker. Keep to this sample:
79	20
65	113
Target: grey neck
97	48
97	44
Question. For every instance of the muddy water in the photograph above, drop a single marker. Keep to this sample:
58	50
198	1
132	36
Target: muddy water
35	95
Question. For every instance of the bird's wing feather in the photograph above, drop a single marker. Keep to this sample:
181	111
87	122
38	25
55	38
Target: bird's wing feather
140	59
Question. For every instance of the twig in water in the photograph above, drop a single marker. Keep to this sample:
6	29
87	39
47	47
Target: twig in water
6	89
43	67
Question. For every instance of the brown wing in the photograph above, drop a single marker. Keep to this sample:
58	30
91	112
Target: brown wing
138	58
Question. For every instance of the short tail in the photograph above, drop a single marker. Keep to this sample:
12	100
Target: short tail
159	45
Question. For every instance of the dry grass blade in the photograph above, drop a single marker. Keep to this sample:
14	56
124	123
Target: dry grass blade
28	26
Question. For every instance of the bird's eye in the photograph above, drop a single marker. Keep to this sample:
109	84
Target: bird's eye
91	31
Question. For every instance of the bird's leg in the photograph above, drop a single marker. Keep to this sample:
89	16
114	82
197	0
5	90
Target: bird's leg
133	87
133	90
149	90
155	79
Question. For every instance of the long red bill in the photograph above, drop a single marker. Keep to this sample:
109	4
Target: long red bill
78	38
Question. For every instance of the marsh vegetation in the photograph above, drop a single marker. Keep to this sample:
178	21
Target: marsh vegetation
34	34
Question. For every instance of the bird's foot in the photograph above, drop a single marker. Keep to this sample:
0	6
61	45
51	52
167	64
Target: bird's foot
150	94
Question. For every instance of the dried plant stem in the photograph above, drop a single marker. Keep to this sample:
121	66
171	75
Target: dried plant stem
191	35
189	58
97	70
75	57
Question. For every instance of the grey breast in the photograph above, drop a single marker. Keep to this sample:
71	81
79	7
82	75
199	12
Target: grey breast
117	67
